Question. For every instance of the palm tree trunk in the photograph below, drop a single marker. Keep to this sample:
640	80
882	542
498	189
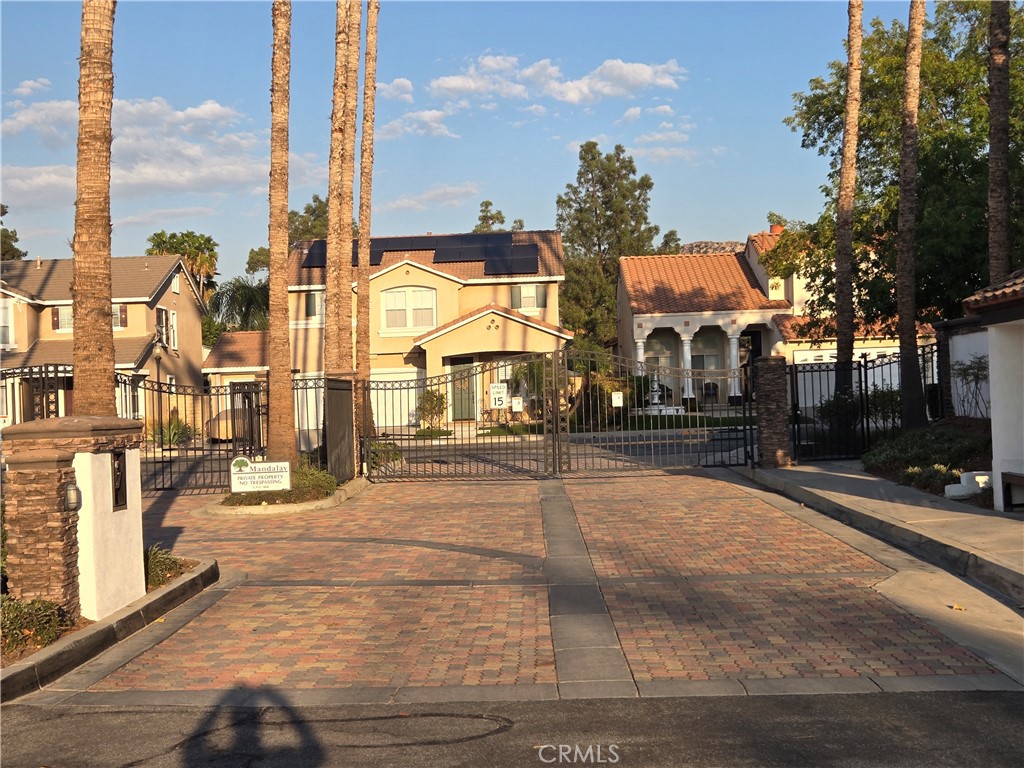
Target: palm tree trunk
999	142
280	420
338	309
847	189
93	347
912	404
365	208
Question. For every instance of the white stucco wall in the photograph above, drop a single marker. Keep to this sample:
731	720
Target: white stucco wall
110	549
961	348
1006	372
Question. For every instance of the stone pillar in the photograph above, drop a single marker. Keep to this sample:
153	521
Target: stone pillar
42	536
100	547
735	396
774	444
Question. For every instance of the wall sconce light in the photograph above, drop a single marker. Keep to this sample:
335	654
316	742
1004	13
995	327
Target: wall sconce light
72	497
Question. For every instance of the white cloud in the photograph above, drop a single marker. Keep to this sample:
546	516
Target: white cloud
39	185
28	87
665	126
476	84
162	216
664	153
535	109
662	109
428	122
55	122
497	63
447	196
719	151
399	89
662	137
631	115
615	78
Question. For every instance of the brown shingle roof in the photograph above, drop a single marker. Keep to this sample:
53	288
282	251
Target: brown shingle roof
1009	291
693	282
306	262
128	350
492	307
238	349
131	277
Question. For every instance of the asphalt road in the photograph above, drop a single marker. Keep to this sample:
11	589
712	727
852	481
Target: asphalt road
908	729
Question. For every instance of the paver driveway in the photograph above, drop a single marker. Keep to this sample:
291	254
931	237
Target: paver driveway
535	590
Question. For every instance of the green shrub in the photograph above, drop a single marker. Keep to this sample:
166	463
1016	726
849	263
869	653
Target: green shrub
884	405
432	407
174	433
963	446
841	411
161	566
308	484
29	624
384	453
932	479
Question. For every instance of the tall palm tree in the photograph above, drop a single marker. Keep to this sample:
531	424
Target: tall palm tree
338	304
847	188
243	303
912	405
999	141
93	347
280	419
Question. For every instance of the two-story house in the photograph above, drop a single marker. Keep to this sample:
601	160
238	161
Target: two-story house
156	313
438	304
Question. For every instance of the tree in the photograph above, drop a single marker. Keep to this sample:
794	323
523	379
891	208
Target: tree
365	202
952	247
912	404
602	217
259	259
999	142
243	304
280	426
93	346
197	251
489	220
518	225
9	239
670	243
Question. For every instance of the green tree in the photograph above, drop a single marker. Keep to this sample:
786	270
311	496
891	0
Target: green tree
9	239
212	329
259	259
490	219
311	223
670	242
602	217
518	225
999	142
243	303
197	251
951	248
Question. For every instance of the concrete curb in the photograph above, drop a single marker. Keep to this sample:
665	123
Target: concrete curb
345	492
986	569
50	663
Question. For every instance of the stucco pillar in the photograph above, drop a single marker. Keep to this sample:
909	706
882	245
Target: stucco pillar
687	364
734	366
774	446
640	355
1006	364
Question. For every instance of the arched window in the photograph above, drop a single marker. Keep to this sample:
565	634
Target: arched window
409	308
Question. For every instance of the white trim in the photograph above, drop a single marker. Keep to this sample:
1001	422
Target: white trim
237	369
302	288
305	324
425	268
524	280
475	317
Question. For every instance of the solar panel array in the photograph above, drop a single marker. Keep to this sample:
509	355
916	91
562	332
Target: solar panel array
496	250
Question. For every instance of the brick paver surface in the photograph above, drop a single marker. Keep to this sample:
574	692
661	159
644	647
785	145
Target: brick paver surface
704	581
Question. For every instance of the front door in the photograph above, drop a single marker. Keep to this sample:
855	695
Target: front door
463	389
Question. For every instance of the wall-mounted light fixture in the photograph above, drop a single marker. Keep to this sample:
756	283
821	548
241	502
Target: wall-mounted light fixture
72	497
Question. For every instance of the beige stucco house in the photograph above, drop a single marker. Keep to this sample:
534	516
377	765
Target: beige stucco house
156	308
438	304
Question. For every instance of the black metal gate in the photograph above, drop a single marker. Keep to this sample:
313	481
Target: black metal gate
560	413
192	433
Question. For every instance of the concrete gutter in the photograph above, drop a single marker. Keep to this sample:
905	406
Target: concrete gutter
987	569
50	663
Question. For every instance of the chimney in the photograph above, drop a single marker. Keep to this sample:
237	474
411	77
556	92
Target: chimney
776	229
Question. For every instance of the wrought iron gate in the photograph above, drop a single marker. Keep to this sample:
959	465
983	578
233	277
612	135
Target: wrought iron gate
560	413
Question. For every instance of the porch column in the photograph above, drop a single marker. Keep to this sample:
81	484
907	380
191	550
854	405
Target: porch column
734	364
687	364
640	353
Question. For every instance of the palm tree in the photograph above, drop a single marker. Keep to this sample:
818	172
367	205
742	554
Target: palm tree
847	188
341	171
365	207
93	347
912	391
280	419
999	142
243	303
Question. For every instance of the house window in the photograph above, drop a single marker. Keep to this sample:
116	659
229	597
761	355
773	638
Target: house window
172	381
410	308
173	329
162	330
119	316
531	296
6	330
61	319
176	283
314	306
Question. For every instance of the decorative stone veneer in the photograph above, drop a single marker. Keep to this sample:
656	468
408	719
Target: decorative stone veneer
772	395
42	536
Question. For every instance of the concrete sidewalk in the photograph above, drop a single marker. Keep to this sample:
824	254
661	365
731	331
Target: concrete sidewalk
981	544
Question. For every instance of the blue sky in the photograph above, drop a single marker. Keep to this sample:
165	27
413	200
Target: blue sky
476	100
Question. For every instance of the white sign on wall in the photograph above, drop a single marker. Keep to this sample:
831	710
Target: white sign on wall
248	475
499	395
616	399
517	405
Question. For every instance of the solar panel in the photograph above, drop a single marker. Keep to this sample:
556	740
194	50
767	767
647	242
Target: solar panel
514	260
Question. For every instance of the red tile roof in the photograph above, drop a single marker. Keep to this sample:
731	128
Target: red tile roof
238	349
1009	291
495	308
799	328
763	241
693	282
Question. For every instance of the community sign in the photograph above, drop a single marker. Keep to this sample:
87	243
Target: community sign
248	475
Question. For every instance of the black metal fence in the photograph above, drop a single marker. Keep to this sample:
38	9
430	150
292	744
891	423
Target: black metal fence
838	411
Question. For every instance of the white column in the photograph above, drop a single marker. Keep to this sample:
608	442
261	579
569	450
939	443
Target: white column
734	364
687	364
640	344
